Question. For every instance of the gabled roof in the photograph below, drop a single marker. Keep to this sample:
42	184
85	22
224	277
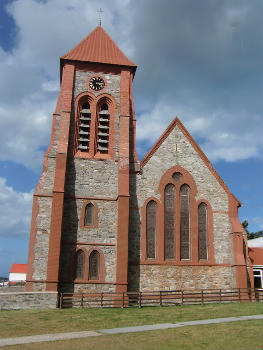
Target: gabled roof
256	255
177	122
18	268
100	48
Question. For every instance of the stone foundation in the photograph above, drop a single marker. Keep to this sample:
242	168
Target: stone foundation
27	300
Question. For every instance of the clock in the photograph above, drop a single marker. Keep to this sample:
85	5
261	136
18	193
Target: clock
96	83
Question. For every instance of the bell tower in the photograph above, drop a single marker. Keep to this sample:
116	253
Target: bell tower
80	216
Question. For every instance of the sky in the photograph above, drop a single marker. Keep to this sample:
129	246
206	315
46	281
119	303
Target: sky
198	60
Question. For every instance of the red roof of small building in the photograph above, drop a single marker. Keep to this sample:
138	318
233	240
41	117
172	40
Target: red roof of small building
256	255
18	268
98	47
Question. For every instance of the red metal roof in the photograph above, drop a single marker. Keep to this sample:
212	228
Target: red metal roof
18	268
98	47
256	255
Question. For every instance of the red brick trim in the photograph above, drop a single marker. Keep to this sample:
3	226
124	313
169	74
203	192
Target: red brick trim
158	239
90	243
123	184
59	180
95	215
85	279
210	232
242	277
95	102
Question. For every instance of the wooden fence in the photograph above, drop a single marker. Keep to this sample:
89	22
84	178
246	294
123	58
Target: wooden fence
160	298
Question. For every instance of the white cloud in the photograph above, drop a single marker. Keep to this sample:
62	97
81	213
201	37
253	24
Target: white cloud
15	211
217	137
199	95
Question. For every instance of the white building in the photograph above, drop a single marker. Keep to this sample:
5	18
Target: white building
17	273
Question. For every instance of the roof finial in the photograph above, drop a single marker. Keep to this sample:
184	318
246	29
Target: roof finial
100	12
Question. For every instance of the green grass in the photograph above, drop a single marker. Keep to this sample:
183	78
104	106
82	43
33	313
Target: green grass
245	335
31	322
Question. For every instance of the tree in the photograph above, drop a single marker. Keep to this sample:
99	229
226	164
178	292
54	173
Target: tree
251	235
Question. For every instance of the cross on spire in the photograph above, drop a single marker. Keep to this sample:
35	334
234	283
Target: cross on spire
100	11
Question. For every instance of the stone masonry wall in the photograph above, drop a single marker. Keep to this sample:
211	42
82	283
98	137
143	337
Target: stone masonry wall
42	238
146	185
91	179
165	277
28	300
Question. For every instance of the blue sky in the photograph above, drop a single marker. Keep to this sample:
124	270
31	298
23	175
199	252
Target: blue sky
199	60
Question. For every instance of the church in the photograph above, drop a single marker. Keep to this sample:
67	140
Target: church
103	221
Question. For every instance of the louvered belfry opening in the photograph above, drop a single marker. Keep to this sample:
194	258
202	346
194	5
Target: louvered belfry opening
94	265
151	209
169	221
202	231
89	214
184	222
79	264
103	128
84	128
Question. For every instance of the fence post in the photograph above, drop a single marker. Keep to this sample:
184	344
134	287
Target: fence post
202	295
140	300
220	295
239	294
61	301
182	297
122	299
256	294
101	299
81	300
161	301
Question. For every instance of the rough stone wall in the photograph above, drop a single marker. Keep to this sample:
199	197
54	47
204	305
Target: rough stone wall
91	179
167	277
45	188
28	300
146	185
42	238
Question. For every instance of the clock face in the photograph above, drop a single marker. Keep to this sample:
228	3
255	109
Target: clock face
96	83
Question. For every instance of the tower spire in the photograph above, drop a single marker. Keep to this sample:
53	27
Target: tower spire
100	11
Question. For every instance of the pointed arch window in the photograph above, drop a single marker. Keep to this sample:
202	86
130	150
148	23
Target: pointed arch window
151	209
79	264
184	222
202	231
103	129
89	215
169	221
84	127
94	260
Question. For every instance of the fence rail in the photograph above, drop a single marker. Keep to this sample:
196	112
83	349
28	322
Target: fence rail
160	298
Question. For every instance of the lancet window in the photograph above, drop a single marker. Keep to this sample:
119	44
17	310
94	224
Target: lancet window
151	229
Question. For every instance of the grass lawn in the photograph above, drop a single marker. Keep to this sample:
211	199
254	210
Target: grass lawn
245	335
30	322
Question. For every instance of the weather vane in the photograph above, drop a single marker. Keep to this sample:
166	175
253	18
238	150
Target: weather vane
100	12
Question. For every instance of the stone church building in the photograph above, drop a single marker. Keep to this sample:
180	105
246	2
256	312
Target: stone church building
102	221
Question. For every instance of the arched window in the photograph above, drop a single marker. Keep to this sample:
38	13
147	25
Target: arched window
103	128
84	128
89	215
202	231
151	230
169	222
177	176
94	265
184	222
79	264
